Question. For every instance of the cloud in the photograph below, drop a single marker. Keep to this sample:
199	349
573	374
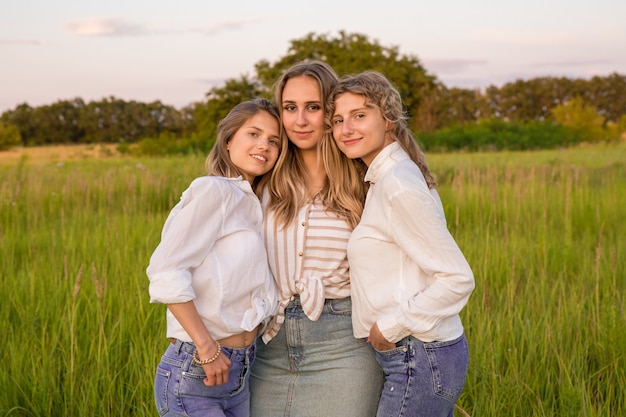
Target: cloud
121	27
574	63
451	65
21	42
226	25
106	27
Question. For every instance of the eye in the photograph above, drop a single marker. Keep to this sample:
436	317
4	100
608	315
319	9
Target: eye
254	134
275	141
359	115
289	107
337	121
314	107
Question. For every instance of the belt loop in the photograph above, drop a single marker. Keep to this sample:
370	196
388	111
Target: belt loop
177	345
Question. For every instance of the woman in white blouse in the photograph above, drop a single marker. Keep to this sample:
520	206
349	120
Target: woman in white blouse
309	363
410	280
211	271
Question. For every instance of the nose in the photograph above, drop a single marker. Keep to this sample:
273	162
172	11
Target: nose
301	118
263	143
346	127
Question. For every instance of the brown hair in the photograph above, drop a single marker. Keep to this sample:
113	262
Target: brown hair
218	162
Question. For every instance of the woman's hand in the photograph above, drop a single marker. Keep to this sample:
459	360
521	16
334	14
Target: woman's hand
217	371
378	341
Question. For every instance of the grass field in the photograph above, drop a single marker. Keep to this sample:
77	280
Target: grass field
545	233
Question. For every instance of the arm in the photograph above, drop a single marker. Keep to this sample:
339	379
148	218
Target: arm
188	317
188	236
421	233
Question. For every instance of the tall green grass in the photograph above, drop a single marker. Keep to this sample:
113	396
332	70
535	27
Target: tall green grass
544	232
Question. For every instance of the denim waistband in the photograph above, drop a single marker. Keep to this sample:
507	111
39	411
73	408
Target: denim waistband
233	353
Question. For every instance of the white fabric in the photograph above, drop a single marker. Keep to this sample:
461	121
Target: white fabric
407	273
212	252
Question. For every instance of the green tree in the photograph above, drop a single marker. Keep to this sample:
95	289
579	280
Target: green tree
9	136
347	54
350	53
582	118
220	100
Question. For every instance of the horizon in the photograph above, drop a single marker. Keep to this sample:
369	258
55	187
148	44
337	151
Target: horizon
157	52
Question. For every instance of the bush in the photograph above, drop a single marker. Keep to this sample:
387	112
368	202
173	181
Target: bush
496	134
169	144
9	137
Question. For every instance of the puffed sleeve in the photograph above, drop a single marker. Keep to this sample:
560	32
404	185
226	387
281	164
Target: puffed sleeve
188	235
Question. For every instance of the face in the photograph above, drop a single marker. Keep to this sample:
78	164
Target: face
359	129
302	112
255	146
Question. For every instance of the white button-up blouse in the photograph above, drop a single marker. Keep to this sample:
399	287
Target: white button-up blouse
212	252
407	273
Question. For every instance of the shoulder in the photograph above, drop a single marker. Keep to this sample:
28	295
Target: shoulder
404	176
212	185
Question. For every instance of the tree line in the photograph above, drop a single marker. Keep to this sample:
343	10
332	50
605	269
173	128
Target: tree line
587	109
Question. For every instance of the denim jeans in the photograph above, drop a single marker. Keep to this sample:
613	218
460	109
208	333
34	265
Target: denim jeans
316	368
423	379
179	389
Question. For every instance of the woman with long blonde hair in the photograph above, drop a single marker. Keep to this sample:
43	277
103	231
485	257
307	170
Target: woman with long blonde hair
309	363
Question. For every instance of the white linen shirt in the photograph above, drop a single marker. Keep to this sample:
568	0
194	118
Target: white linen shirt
407	273
212	252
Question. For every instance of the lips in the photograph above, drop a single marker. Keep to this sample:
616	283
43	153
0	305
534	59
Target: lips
302	135
259	157
349	142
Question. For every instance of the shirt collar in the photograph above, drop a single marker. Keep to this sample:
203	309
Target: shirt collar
384	161
241	183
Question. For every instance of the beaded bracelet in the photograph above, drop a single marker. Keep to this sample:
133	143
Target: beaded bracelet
199	361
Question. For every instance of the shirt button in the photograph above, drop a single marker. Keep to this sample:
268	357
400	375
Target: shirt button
300	253
304	223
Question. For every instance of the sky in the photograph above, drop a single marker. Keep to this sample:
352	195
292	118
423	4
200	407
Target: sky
176	51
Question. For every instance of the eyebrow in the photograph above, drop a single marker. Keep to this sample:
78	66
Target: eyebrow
306	102
356	110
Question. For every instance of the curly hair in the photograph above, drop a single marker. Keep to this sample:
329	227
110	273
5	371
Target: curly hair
380	93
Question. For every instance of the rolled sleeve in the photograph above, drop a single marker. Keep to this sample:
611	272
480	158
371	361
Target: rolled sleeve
171	287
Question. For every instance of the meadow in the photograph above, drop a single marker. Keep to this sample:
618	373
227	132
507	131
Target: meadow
544	231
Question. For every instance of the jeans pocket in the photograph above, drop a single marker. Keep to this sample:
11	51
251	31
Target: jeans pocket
161	382
448	363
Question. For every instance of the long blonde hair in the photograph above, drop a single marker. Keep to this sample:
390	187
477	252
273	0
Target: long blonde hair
379	92
343	192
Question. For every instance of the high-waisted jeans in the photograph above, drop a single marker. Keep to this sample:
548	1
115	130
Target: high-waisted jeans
423	379
315	368
179	388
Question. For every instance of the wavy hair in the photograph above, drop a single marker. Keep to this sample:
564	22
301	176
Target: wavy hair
344	191
380	93
218	162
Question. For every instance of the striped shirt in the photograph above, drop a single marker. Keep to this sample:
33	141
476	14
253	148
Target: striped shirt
308	258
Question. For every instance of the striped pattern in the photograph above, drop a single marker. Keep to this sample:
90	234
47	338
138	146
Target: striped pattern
308	258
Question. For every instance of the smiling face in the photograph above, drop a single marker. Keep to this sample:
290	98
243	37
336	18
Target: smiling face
302	112
358	128
255	146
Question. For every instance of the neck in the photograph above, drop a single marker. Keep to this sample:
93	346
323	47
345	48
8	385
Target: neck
315	175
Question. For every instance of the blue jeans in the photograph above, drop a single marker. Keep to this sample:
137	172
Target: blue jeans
423	379
179	389
316	368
